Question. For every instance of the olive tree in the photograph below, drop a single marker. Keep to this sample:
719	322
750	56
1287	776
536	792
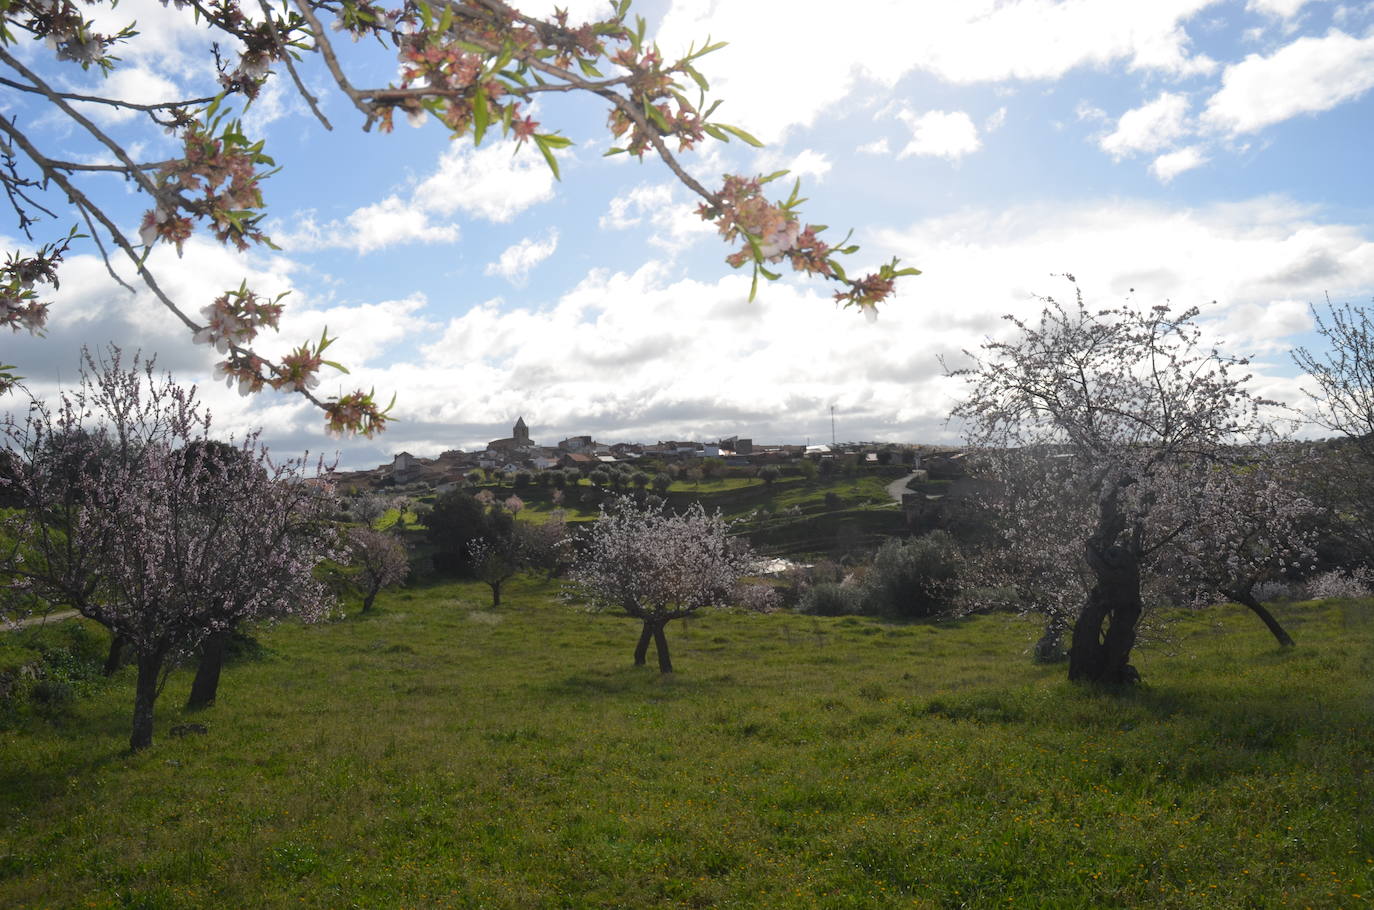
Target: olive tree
657	566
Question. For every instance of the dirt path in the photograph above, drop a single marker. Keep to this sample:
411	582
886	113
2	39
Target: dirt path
40	620
898	487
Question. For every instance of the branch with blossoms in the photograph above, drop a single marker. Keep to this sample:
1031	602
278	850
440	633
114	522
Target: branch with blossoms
474	66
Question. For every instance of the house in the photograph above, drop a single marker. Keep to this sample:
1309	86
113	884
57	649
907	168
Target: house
576	444
518	439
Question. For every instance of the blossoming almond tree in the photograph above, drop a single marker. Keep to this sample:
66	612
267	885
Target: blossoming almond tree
1129	396
474	66
160	541
379	560
658	566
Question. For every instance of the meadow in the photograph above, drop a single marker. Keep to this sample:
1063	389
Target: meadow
441	753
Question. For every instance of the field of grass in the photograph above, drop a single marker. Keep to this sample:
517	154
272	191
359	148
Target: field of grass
442	753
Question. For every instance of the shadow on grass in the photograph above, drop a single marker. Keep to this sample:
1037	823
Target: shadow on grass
646	680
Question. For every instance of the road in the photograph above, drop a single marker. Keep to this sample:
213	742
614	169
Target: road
40	620
898	487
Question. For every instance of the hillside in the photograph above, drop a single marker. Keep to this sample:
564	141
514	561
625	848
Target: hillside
440	753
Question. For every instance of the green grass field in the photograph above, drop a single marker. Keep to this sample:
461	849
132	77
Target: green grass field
441	753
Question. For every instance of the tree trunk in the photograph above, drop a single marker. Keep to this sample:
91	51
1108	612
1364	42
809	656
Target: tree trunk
665	664
113	659
642	649
1284	639
149	668
370	596
1103	655
206	683
1050	648
495	593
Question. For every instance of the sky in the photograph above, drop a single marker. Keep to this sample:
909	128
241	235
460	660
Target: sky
1183	151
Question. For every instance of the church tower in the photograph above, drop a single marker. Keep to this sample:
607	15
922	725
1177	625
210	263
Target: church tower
520	432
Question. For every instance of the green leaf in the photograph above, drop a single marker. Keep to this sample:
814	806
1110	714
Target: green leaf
614	150
771	276
773	176
542	142
754	288
714	133
556	141
698	78
588	70
736	131
338	366
481	116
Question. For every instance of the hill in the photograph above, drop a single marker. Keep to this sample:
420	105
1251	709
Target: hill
443	754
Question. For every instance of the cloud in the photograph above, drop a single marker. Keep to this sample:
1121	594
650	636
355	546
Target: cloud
516	261
1283	9
646	354
809	163
939	134
488	183
1149	128
1168	166
669	224
876	147
995	120
1309	75
974	41
493	183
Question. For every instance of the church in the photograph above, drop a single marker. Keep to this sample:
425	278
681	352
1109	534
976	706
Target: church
519	439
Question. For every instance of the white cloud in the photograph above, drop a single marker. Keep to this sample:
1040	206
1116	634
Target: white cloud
490	183
1283	9
809	163
643	355
671	225
139	84
940	134
973	41
876	147
1148	128
516	261
995	120
1307	76
1168	166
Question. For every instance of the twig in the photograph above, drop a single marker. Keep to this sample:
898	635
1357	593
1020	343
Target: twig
291	68
331	60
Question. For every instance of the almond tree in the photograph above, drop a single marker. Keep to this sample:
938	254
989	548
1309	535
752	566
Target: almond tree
474	66
1343	373
1128	395
380	562
658	566
159	545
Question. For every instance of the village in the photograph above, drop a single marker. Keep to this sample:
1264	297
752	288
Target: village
519	453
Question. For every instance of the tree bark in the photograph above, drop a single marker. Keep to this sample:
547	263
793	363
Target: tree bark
642	649
495	593
206	684
665	664
113	659
1097	654
1248	600
370	596
145	694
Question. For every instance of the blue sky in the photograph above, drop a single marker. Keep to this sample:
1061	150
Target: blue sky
1192	151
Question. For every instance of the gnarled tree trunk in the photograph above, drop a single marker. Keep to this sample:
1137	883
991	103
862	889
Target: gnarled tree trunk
145	695
206	684
1105	631
1247	599
642	649
665	664
114	657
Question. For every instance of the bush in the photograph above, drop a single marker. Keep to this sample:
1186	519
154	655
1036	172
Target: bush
831	599
914	578
1338	584
760	598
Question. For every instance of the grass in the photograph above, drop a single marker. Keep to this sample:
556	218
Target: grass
443	753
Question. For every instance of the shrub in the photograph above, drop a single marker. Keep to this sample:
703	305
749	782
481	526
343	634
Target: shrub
1339	584
760	598
913	578
831	599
